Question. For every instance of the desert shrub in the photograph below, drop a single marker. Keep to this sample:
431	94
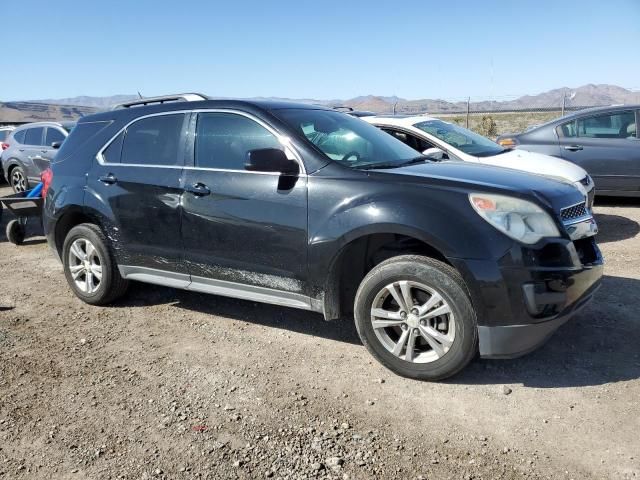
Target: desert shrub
488	127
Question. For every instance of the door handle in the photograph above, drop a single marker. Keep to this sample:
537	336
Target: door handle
198	189
108	179
21	149
573	148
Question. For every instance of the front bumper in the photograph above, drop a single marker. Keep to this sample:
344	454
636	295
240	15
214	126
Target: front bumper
524	297
511	341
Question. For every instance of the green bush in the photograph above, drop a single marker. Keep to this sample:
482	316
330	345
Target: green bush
488	127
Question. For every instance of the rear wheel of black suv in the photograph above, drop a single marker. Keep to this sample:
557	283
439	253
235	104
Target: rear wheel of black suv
414	315
89	266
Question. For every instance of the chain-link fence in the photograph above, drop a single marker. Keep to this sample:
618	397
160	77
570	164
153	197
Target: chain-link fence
508	114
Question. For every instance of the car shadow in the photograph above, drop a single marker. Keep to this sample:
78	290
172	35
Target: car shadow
614	228
598	346
273	316
617	201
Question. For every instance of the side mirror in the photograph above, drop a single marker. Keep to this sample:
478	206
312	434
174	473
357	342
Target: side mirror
56	145
434	153
270	160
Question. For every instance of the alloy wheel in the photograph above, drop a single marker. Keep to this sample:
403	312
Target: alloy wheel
85	265
413	321
18	182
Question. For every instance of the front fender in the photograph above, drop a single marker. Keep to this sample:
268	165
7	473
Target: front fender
440	217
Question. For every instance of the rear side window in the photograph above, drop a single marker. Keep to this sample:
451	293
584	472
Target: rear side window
567	130
19	136
53	135
34	136
3	135
224	139
81	134
610	125
113	152
153	141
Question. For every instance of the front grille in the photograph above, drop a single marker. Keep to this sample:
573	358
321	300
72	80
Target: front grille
574	211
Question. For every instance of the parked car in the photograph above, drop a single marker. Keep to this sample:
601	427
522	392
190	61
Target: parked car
604	141
307	207
29	150
4	133
447	141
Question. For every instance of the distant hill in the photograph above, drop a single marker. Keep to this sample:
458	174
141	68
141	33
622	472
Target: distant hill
587	95
85	101
23	112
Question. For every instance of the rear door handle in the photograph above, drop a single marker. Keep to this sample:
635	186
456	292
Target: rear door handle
573	148
108	179
198	189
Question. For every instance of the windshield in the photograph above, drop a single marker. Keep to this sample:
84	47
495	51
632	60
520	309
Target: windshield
348	140
461	138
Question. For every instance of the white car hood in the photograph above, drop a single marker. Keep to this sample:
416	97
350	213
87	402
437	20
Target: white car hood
536	163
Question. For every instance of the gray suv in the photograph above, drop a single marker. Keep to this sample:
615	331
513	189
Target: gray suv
30	150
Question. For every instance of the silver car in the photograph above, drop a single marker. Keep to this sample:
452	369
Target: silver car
29	150
5	131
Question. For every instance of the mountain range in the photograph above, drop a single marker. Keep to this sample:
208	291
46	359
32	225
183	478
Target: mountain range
586	95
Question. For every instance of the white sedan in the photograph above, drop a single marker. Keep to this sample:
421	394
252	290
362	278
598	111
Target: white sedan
442	140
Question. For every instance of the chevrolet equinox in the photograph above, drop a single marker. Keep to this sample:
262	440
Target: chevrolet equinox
307	207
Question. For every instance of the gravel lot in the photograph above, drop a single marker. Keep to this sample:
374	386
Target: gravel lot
170	384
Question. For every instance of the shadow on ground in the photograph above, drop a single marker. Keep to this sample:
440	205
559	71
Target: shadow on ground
598	346
299	321
614	228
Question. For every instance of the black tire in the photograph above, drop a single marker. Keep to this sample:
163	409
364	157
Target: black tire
447	282
15	232
112	286
12	180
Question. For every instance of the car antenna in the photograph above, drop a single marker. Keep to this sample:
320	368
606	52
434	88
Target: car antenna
139	94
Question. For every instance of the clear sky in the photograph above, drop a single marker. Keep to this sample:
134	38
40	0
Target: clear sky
316	49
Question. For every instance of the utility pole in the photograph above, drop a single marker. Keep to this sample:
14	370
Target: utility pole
564	100
468	106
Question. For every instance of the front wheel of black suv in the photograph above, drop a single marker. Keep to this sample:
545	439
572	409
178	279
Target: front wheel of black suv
414	315
89	266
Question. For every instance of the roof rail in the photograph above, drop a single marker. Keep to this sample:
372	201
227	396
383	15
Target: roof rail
343	107
180	97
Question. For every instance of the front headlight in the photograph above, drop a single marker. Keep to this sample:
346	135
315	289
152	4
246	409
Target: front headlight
519	219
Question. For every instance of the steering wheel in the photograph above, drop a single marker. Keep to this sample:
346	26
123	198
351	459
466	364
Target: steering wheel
353	153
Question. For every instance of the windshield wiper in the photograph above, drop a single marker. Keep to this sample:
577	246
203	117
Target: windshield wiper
384	165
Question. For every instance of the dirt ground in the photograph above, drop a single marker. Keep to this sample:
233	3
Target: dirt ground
170	384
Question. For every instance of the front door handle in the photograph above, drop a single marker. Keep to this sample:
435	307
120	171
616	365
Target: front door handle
108	179
573	148
198	189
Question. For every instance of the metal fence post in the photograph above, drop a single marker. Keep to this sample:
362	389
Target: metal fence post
468	106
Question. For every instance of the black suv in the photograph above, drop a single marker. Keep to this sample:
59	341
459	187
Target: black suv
311	208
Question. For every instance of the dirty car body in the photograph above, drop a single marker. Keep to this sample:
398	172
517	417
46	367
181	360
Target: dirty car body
306	236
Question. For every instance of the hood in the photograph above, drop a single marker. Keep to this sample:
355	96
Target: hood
536	163
473	177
